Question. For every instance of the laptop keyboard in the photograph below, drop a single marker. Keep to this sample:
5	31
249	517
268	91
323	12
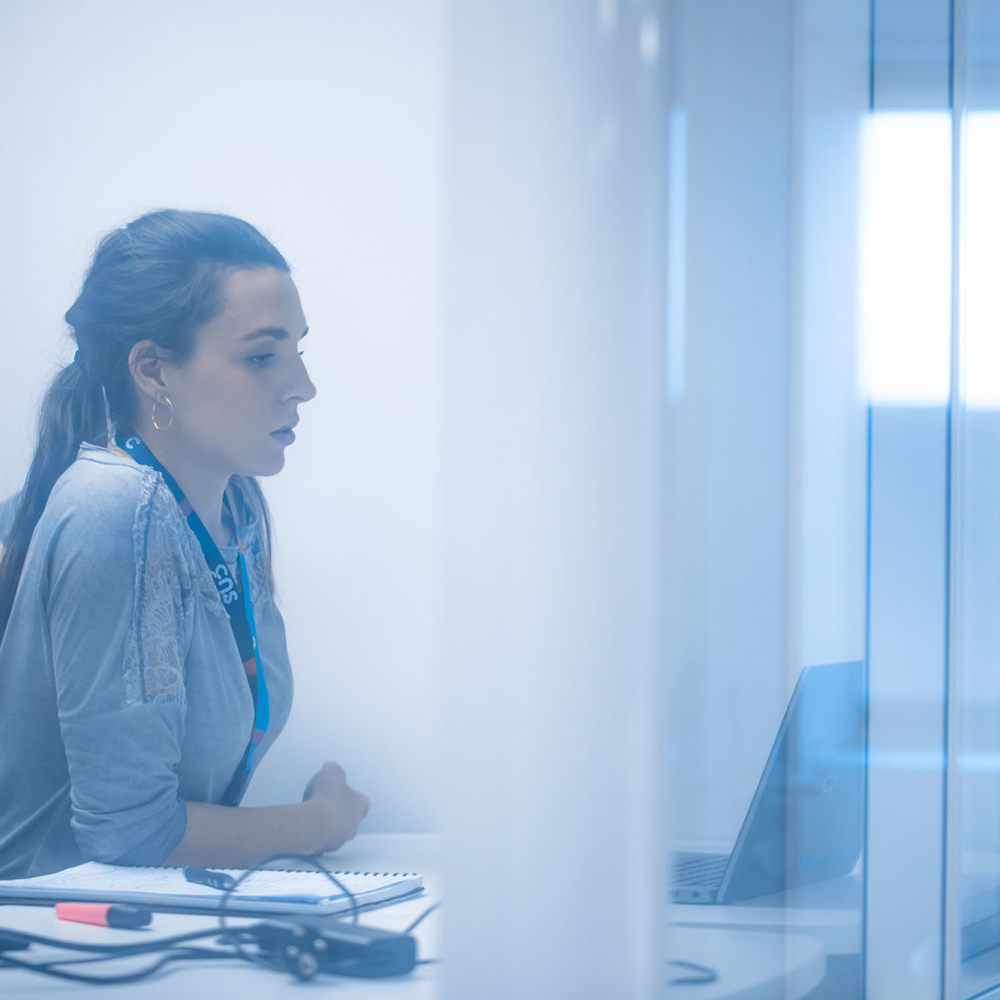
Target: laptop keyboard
699	869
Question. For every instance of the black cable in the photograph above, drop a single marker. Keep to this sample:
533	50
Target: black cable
111	949
259	866
701	974
430	909
90	960
109	952
126	977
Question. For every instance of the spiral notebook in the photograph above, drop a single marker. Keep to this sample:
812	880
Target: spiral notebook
267	891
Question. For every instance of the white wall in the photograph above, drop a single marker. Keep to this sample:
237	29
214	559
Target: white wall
321	123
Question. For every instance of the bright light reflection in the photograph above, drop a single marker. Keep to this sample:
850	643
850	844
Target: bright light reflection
905	257
981	261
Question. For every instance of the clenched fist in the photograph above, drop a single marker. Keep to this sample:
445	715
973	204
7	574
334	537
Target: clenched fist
341	809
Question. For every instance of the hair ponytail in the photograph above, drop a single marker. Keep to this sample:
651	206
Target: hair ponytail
72	412
159	279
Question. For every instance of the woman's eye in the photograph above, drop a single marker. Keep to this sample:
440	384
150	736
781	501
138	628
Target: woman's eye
259	360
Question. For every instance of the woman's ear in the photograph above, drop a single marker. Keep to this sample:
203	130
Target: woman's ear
145	364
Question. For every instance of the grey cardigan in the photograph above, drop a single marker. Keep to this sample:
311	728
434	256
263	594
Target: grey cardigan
122	694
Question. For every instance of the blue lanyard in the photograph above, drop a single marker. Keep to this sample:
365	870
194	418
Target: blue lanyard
238	606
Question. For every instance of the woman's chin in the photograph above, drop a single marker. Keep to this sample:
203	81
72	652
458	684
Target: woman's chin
273	466
265	465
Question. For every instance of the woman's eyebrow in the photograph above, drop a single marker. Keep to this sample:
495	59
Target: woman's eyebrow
278	332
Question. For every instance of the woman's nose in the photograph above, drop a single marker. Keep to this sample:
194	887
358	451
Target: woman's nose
308	390
302	388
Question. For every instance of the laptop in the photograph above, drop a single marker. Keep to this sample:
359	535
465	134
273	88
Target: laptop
980	915
806	819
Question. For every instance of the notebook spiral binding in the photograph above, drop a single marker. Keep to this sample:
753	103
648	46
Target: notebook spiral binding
332	871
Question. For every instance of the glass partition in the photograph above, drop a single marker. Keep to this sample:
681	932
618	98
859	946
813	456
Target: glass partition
833	383
767	513
975	773
830	545
905	323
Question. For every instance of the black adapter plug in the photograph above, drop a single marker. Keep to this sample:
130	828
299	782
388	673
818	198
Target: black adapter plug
335	948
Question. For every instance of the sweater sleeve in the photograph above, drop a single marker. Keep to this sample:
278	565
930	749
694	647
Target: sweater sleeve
120	610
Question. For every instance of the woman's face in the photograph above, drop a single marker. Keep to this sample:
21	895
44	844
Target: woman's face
236	398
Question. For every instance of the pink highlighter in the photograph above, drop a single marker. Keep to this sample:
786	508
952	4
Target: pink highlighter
104	914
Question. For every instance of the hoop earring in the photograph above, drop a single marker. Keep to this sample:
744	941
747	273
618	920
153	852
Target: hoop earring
156	403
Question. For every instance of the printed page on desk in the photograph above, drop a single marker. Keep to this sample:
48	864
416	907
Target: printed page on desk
166	888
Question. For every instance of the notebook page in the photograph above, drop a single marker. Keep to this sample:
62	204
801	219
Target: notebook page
305	886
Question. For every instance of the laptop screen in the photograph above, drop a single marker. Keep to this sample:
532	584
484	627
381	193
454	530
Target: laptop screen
806	820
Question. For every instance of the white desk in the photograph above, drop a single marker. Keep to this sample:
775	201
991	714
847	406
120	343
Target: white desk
751	964
224	979
828	910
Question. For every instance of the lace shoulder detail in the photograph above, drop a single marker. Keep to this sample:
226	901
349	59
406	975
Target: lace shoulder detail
156	642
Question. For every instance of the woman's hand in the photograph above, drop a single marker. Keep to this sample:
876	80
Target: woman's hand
339	807
238	836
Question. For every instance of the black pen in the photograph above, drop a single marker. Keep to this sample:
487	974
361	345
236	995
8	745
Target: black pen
205	876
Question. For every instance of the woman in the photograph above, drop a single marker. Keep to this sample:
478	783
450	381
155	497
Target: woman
143	668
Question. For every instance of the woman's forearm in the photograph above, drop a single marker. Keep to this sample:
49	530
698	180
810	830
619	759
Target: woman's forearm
236	837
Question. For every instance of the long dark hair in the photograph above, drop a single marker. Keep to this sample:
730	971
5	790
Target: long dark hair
159	278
